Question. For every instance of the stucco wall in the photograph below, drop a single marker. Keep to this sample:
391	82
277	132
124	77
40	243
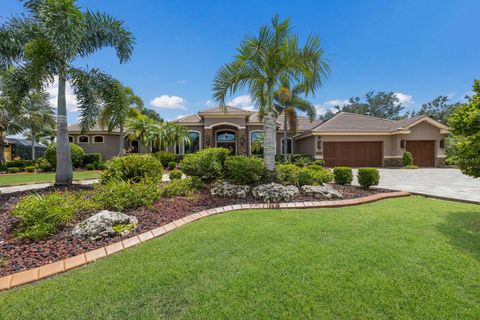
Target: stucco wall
425	131
208	122
108	149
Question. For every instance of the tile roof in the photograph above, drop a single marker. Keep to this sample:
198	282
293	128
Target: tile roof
74	128
226	109
189	119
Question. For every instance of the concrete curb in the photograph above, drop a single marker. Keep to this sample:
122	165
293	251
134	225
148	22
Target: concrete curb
31	275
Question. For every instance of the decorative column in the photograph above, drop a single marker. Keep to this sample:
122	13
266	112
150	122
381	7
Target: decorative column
242	142
208	140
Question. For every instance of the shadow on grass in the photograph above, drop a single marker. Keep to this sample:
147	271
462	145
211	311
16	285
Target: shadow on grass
463	230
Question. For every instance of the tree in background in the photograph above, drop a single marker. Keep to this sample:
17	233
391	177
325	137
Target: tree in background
120	102
140	128
261	62
465	123
38	116
438	109
45	42
384	105
288	100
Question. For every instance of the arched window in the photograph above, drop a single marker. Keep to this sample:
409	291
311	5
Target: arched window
83	139
98	139
289	146
226	136
256	143
195	145
70	139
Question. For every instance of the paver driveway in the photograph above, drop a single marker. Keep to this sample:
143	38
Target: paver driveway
441	182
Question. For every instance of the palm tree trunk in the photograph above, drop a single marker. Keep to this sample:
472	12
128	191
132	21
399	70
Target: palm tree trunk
121	144
2	148
64	172
33	145
269	144
285	136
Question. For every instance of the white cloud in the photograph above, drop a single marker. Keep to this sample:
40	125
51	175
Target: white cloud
210	103
52	90
243	102
329	104
404	98
169	102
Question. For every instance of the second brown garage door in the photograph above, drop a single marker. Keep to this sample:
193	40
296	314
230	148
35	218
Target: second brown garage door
423	152
353	154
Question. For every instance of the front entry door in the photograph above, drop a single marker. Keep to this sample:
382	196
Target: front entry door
228	145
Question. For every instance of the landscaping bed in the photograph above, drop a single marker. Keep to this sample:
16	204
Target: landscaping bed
20	254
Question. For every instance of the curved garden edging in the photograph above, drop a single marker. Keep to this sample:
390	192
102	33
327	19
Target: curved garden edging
31	275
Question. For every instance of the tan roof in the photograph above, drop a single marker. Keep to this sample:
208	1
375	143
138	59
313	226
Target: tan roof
191	118
226	109
73	128
348	122
304	123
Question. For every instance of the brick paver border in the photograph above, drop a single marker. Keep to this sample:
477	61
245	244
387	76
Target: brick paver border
31	275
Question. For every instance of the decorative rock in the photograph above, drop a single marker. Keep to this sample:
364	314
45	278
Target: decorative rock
228	190
274	192
321	192
101	224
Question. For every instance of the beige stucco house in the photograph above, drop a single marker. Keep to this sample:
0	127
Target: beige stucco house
345	139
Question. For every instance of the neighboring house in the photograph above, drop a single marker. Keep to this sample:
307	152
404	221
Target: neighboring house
345	139
21	149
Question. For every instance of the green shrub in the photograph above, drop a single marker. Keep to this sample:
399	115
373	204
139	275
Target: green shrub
300	164
3	168
244	170
314	166
134	167
40	215
411	166
291	174
30	169
343	175
179	158
100	165
121	195
175	174
42	164
182	187
407	159
91	158
206	164
288	173
19	163
90	166
172	165
13	170
320	162
368	177
165	157
77	154
121	228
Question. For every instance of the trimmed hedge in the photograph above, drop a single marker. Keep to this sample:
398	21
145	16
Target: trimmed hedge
91	158
244	170
206	164
292	174
368	177
343	175
19	163
133	167
77	155
13	170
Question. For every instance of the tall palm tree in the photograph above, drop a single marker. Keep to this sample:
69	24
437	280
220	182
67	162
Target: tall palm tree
38	115
140	128
261	62
288	100
120	102
45	42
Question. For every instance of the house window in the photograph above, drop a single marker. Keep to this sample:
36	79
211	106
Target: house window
256	143
83	139
195	145
226	136
289	146
70	139
98	139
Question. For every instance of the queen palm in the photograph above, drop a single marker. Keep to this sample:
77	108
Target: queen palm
260	64
120	104
140	128
45	42
38	115
289	100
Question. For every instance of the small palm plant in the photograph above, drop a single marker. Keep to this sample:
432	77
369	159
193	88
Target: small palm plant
260	64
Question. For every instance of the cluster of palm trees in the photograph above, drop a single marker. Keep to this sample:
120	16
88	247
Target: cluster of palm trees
266	65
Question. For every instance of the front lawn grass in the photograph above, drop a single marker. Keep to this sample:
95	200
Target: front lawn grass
406	258
43	177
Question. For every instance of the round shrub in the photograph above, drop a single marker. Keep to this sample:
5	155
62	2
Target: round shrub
175	174
13	170
206	164
165	157
133	167
181	187
314	166
291	174
172	165
288	173
368	177
407	159
42	164
244	170
77	155
320	162
91	158
343	175
30	169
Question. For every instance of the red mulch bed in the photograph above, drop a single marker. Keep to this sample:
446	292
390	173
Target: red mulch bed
20	254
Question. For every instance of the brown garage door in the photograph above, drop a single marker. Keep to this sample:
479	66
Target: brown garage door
423	152
353	154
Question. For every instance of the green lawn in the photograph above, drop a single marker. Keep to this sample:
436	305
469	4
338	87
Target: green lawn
27	178
406	258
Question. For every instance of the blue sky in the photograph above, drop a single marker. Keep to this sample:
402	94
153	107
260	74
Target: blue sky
420	49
